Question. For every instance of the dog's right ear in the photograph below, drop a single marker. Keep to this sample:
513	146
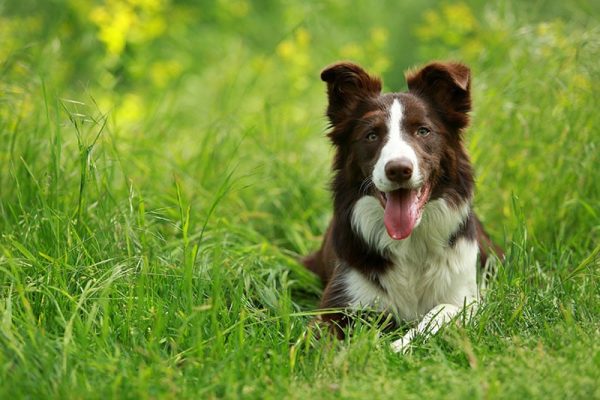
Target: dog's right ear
347	85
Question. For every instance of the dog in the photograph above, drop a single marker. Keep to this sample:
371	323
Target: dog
404	238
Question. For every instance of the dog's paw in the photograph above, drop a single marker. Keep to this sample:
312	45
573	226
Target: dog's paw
401	345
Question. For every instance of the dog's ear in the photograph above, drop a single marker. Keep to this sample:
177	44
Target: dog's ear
347	85
448	87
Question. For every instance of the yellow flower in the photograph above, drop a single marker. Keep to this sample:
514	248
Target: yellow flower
379	36
122	21
302	37
459	15
114	25
285	49
163	72
131	108
351	51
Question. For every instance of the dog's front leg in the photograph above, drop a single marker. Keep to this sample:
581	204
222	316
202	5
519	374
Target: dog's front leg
429	325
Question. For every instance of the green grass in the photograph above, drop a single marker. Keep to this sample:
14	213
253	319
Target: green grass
154	201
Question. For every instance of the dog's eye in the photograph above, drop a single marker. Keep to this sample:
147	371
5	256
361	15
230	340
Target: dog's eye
371	137
422	131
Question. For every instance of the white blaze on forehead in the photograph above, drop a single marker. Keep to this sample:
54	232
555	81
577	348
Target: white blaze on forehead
395	147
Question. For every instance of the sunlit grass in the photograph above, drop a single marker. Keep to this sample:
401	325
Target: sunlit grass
150	231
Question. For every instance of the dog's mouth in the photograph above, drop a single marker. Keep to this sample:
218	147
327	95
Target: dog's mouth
402	209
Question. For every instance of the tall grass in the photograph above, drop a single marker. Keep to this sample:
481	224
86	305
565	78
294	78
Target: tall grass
150	229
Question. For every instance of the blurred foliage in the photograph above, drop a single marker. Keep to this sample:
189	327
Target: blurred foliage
124	51
242	62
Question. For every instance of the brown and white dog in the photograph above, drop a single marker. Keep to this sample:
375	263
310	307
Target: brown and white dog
404	238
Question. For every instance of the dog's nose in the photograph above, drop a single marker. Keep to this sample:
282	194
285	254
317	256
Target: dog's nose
399	170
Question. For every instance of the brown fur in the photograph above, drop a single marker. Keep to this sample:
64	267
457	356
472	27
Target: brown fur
439	94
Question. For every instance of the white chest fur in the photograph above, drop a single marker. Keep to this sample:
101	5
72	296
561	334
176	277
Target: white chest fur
426	270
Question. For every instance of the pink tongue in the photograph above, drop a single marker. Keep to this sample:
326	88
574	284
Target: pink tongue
400	213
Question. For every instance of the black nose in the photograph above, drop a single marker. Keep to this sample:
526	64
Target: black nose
399	170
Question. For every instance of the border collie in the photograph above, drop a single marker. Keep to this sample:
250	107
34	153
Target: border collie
404	238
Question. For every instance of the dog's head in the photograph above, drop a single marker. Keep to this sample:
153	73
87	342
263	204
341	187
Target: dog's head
402	148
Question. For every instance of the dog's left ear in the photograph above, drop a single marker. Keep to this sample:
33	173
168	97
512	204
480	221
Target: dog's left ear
448	87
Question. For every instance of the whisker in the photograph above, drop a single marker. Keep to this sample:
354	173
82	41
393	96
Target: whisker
365	186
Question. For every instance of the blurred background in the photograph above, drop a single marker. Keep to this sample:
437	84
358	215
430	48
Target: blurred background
185	75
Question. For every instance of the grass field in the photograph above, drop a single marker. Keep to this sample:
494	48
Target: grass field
163	165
